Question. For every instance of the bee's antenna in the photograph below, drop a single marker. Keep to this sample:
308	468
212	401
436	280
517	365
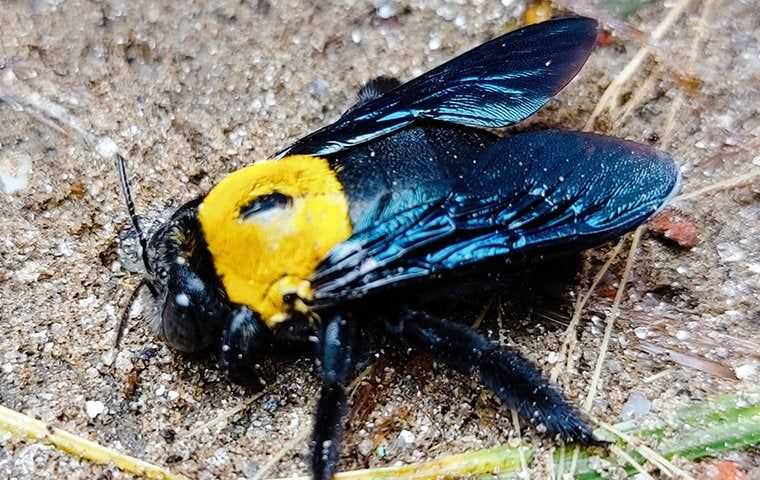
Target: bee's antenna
121	169
125	314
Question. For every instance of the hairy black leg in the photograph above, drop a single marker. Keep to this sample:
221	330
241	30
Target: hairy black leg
513	378
335	359
244	339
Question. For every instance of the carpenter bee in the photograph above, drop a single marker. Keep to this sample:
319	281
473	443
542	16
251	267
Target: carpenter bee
406	193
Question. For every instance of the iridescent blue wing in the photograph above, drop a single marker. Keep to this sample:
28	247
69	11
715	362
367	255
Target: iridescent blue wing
530	194
496	84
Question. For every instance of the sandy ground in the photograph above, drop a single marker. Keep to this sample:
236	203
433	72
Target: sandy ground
193	90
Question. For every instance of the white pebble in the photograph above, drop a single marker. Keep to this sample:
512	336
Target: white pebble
636	406
641	332
744	372
123	361
94	408
405	439
106	148
365	447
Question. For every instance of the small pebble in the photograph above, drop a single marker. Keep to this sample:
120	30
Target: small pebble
386	9
365	447
744	372
636	406
123	361
94	408
641	332
405	439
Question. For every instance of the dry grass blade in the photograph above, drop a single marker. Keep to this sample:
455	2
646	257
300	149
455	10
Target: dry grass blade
614	90
623	455
226	415
525	474
722	185
22	425
277	457
691	360
614	313
637	99
696	51
21	96
662	463
568	345
496	460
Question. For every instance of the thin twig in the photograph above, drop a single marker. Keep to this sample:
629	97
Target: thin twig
612	93
523	464
614	313
721	185
662	463
21	425
224	416
275	459
486	308
696	51
623	455
636	99
571	339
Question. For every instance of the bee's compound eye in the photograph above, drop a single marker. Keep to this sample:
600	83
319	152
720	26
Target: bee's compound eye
192	313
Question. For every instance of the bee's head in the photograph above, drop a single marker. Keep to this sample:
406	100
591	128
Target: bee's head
253	241
189	305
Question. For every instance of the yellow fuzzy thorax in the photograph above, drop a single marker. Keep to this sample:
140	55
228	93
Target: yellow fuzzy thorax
270	254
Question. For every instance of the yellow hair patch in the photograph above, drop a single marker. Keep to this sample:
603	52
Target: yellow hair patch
269	225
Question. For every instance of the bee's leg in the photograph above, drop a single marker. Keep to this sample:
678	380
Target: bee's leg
335	357
244	339
507	373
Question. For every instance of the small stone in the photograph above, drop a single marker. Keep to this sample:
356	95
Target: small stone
446	12
682	335
108	357
405	439
106	148
123	361
15	171
172	395
386	9
552	358
365	447
356	36
641	332
744	372
676	228
94	408
636	406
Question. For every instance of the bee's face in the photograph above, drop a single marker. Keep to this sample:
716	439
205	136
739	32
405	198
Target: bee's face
190	308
